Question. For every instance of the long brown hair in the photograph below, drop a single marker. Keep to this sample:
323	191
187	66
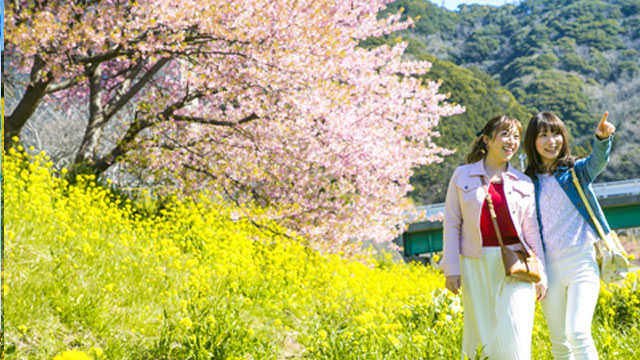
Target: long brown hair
489	131
541	122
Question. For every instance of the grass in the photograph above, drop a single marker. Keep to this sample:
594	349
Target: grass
86	272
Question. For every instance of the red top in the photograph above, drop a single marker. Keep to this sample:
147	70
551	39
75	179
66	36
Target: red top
505	224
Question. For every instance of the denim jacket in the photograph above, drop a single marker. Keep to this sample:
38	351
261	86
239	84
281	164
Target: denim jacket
587	170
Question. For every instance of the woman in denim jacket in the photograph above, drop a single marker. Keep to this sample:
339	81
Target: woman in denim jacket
567	230
498	310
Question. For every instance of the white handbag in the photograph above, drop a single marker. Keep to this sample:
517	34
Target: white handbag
613	260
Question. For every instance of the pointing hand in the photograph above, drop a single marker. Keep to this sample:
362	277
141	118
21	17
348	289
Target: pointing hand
605	128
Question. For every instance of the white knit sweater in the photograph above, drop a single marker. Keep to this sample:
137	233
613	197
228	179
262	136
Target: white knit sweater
562	225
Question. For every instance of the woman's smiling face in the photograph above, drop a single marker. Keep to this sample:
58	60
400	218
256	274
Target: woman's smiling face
548	146
504	145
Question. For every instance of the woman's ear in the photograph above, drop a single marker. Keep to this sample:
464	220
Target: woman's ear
484	144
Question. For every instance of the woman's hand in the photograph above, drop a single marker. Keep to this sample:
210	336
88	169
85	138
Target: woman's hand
541	292
452	283
605	128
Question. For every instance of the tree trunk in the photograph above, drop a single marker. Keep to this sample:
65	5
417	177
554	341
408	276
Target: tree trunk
102	164
34	93
100	114
86	155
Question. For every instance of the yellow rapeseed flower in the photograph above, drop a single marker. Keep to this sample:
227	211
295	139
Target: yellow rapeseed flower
72	355
99	353
186	323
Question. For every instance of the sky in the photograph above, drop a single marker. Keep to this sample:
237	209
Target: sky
453	4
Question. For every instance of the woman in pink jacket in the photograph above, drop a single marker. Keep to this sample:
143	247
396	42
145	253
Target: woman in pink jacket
498	310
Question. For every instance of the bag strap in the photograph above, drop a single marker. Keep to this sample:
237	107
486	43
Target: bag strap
611	243
576	183
492	211
494	218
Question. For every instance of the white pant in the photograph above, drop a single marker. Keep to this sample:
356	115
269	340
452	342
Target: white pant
574	284
498	311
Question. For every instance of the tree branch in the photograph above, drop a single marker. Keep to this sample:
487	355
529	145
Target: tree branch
120	148
109	55
123	97
200	120
62	85
134	67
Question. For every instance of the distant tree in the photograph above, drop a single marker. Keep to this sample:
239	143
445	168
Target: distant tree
562	93
624	112
429	18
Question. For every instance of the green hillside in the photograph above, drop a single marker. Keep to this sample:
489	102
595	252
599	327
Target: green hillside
577	58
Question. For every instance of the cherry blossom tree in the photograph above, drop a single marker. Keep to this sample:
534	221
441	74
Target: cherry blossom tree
269	102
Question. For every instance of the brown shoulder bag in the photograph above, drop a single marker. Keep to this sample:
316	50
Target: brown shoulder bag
518	264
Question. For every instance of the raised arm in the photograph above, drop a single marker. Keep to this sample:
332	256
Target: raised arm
593	165
605	128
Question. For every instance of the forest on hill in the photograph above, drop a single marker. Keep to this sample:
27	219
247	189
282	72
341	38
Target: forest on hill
577	58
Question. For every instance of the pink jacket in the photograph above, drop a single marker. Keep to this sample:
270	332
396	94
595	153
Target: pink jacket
465	197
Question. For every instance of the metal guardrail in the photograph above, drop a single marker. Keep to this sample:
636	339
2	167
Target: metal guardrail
431	209
602	190
624	187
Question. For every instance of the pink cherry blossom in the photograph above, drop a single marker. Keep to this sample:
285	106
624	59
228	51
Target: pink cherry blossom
267	102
